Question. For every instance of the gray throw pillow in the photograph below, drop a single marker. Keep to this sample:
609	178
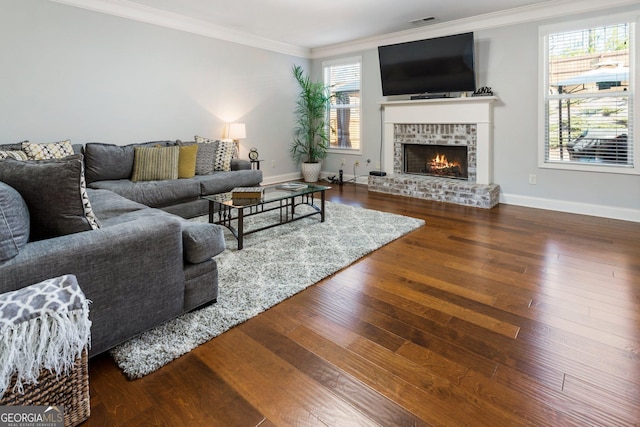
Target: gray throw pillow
106	162
206	156
14	222
55	193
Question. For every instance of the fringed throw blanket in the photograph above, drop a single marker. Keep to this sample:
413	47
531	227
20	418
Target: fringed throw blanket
42	326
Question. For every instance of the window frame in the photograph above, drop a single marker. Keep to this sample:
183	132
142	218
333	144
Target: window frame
338	62
543	85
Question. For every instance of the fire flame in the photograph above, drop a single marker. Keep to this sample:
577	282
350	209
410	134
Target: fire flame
441	162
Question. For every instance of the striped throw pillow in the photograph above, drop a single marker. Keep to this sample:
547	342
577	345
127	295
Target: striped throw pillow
155	163
13	154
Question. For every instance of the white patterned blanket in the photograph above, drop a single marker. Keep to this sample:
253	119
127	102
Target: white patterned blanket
45	325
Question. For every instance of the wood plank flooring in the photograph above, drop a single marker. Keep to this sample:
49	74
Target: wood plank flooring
503	317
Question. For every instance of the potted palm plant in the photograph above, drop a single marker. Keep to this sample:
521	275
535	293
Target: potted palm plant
310	142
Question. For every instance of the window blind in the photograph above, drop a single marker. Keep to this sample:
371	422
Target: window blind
588	100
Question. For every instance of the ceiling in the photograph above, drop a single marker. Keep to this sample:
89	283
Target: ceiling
316	29
313	24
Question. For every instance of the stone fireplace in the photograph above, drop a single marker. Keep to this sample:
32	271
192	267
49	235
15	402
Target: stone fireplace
439	149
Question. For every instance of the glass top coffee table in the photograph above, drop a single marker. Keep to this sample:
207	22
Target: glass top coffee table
230	212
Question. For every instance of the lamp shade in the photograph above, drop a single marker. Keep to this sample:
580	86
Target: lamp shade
237	131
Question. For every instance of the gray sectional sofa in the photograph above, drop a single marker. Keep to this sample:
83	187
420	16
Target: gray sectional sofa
138	263
109	167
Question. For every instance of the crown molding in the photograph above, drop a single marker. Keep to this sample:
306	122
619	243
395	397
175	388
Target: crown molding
149	15
540	11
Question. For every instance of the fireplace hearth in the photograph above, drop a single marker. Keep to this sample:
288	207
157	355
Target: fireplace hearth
447	161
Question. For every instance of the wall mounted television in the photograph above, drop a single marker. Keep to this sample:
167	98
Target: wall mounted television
432	66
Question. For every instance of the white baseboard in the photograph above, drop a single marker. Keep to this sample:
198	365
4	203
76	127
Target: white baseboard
294	176
611	212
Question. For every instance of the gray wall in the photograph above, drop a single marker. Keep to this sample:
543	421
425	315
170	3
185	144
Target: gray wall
507	61
73	73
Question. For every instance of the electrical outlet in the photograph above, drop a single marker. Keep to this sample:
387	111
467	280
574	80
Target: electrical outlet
273	163
378	165
533	179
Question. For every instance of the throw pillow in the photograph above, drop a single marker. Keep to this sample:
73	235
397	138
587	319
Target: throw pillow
14	222
224	154
106	162
155	163
14	154
187	161
53	150
206	155
55	193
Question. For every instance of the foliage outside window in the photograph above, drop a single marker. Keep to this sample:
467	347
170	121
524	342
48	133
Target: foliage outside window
588	98
342	77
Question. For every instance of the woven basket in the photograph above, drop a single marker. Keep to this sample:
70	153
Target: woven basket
70	391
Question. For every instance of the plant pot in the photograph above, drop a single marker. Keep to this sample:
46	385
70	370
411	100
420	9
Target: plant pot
311	172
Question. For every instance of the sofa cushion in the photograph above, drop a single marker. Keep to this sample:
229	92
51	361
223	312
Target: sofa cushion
155	163
206	155
187	161
155	194
15	146
107	204
55	193
222	182
52	150
14	222
107	161
201	241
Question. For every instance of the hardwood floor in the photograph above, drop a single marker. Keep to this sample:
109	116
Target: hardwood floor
503	317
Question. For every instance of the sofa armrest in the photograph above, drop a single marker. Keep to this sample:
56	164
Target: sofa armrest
201	241
131	271
240	164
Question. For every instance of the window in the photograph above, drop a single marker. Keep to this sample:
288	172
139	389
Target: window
588	98
342	77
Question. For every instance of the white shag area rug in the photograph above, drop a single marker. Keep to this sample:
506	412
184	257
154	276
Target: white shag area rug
273	265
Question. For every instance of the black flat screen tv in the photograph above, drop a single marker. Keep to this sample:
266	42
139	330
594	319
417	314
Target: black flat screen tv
438	65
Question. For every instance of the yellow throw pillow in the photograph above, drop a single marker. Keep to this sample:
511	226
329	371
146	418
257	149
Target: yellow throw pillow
187	161
155	163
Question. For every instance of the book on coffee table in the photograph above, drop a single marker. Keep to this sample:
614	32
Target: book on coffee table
247	192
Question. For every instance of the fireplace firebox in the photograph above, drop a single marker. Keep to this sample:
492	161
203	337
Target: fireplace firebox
448	161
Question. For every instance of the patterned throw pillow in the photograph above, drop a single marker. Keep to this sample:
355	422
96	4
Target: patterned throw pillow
187	161
155	163
52	150
224	154
18	155
55	193
206	155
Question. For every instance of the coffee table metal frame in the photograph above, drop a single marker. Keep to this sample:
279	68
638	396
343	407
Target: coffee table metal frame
224	210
